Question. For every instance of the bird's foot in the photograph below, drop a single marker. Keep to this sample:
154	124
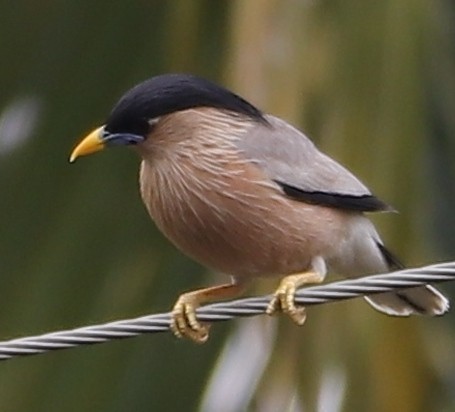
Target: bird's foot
283	301
284	297
184	322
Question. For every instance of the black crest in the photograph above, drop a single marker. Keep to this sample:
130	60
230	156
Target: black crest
169	93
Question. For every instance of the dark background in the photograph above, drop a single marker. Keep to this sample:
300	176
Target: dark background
373	83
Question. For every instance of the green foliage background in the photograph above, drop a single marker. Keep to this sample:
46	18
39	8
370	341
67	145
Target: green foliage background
373	83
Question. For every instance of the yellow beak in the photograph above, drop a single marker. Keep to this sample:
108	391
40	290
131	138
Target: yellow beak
92	143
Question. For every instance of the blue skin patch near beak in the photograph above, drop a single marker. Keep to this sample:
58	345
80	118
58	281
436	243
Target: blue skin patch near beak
121	139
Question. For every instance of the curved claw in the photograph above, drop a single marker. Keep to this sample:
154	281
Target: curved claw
283	299
184	322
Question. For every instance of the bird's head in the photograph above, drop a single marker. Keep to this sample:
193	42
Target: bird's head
133	118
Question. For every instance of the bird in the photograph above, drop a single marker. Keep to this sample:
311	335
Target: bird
247	194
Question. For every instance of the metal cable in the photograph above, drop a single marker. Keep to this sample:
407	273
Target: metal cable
314	295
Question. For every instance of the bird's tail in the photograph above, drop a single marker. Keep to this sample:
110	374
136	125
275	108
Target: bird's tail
423	300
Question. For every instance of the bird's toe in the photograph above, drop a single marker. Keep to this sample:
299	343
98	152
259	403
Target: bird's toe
274	306
184	322
284	301
297	314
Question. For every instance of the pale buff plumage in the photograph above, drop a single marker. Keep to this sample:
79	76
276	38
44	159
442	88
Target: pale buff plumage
214	204
248	195
221	207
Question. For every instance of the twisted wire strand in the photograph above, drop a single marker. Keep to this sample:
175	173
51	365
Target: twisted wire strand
314	295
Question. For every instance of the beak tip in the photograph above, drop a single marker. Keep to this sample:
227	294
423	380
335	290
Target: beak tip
92	143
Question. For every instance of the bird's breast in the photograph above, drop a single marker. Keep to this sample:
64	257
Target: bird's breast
231	218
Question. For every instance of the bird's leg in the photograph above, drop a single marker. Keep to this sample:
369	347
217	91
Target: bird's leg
283	299
184	321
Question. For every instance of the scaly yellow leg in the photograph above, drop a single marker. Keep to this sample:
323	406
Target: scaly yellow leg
283	299
184	321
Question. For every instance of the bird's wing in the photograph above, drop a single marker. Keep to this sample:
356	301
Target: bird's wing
304	173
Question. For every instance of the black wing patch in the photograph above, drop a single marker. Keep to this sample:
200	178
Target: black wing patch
395	264
364	203
392	261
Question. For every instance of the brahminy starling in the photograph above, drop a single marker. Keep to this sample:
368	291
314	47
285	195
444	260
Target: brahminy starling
245	193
